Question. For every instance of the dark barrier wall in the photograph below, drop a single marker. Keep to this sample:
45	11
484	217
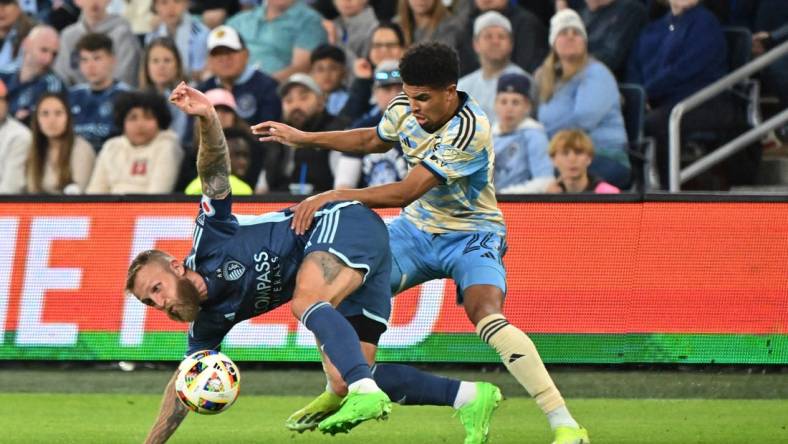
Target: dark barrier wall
618	280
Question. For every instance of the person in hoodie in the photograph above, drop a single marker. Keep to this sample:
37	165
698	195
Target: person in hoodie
146	158
355	23
521	161
94	19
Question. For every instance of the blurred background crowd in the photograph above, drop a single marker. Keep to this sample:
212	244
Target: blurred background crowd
84	87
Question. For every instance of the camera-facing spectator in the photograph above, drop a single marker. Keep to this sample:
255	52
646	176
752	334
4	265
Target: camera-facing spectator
14	27
572	152
354	25
35	76
521	161
280	35
146	158
492	42
91	102
529	36
240	149
613	26
160	72
379	168
328	71
304	170
59	162
254	91
190	35
577	91
94	19
14	145
428	21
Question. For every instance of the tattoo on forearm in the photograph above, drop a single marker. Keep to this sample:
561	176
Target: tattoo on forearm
171	415
213	158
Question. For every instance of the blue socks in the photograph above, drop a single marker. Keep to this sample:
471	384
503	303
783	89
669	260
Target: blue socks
339	341
410	386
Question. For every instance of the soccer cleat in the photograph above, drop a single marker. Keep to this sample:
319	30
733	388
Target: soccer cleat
475	415
571	435
310	416
355	409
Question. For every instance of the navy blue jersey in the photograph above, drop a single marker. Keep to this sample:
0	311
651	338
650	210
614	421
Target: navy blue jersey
23	96
249	263
92	111
255	94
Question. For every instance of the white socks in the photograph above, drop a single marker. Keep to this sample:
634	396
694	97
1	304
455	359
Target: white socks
465	394
561	417
364	385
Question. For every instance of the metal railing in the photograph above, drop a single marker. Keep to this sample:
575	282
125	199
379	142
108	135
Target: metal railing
678	176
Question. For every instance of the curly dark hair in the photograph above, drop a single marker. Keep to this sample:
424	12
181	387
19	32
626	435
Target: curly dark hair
430	64
148	101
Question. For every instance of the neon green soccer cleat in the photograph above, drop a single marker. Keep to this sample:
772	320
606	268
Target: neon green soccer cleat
475	415
355	409
310	416
571	435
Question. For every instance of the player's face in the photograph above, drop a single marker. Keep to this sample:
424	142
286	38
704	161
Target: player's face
572	164
170	11
140	126
328	74
52	117
511	108
384	46
161	287
432	107
162	66
96	66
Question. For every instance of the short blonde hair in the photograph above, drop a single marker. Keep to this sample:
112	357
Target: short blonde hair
142	259
573	139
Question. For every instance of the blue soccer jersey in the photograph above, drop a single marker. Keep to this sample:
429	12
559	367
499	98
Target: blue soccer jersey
93	112
250	263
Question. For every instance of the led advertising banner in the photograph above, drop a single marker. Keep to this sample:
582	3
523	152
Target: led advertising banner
627	282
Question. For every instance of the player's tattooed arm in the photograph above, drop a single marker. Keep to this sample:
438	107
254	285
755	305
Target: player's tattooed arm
213	158
171	415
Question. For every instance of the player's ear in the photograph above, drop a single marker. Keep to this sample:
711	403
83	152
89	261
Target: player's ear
177	267
451	90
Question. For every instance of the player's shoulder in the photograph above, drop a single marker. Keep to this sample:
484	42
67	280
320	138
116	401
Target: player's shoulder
470	127
399	104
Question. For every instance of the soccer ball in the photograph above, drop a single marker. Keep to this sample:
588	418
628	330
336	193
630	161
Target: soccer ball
208	382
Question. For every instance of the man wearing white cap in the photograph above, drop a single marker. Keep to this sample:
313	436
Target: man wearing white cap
492	42
254	91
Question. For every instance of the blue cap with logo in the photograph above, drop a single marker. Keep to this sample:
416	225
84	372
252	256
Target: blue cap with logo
516	83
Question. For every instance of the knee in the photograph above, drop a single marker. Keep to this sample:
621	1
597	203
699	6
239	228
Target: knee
481	303
301	303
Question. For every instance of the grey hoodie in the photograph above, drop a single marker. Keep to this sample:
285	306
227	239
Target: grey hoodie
125	46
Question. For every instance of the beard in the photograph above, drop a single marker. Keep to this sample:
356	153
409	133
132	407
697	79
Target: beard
188	305
296	118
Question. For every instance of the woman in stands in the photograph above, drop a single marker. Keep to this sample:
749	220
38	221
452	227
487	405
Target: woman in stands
160	71
579	92
59	161
428	20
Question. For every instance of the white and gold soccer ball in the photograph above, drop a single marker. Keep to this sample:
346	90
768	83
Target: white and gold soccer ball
208	382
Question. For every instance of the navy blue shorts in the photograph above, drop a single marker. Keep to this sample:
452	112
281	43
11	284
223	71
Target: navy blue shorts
359	238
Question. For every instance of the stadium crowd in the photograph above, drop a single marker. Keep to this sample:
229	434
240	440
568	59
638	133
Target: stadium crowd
83	85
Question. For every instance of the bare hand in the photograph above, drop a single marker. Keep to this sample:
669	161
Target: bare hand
362	69
304	212
279	132
331	31
191	101
759	42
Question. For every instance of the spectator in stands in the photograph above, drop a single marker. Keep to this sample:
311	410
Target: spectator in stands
328	71
529	36
354	25
378	168
577	91
304	170
280	34
35	76
240	148
254	91
613	26
428	20
14	144
676	56
572	152
94	19
190	35
59	161
521	161
14	27
91	102
139	13
160	72
771	26
386	43
146	158
214	13
493	43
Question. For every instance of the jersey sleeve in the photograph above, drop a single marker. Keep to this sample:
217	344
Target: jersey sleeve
464	150
388	127
207	333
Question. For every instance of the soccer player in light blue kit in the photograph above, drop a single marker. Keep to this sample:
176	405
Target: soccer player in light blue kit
336	276
451	226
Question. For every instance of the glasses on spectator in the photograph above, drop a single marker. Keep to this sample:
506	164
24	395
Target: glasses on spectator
386	45
385	75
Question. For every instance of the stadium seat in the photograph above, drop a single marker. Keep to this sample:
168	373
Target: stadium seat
641	149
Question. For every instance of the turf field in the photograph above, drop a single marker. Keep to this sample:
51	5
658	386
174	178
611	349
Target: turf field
109	406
